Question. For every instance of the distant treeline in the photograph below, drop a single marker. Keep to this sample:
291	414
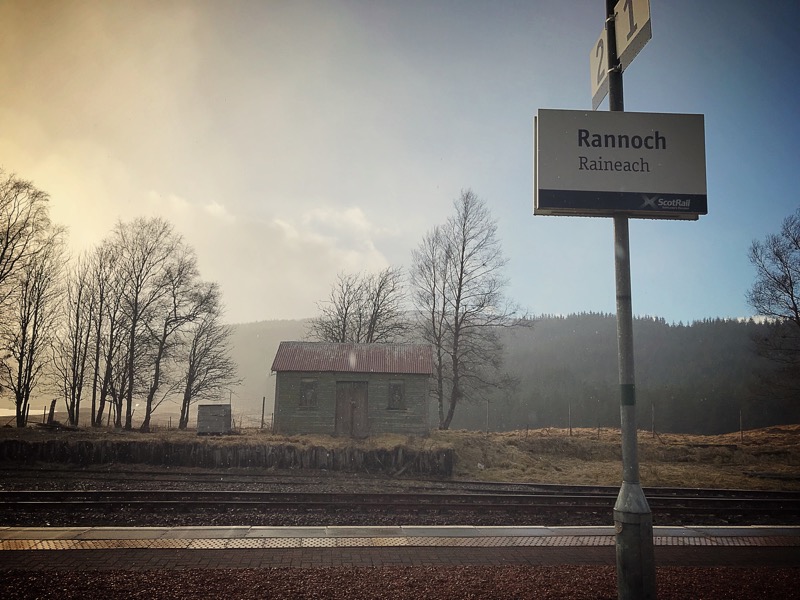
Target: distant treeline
697	378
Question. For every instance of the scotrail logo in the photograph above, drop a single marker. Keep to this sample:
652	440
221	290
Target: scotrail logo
657	203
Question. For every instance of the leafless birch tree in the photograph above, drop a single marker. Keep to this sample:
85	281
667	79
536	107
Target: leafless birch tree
110	372
24	221
182	304
104	322
363	309
208	367
27	334
776	294
145	251
73	337
124	325
458	290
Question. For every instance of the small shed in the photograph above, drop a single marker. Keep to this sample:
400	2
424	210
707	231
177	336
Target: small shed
213	419
352	389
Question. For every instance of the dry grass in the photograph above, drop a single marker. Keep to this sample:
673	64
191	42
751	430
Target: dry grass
763	459
246	437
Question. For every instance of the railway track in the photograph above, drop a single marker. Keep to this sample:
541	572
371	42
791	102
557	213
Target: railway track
672	501
152	497
259	482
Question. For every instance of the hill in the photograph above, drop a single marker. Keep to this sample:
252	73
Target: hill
253	346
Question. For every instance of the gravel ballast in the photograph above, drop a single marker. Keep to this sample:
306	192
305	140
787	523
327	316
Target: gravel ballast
390	583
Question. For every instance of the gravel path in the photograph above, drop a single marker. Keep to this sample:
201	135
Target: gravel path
389	583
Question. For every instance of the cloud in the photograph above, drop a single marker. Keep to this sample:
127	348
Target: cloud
348	219
170	206
218	211
276	267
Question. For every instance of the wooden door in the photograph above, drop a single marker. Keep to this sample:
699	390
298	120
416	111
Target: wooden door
360	414
352	403
343	410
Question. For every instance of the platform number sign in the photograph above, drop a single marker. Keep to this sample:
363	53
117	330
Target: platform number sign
599	74
627	9
633	31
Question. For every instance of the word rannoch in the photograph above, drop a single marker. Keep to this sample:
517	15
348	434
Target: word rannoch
620	140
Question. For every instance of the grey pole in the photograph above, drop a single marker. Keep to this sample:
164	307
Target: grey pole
633	521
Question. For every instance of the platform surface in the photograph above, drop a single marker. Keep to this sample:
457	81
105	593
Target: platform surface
144	548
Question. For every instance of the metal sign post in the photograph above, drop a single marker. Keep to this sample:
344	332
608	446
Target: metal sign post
622	165
633	521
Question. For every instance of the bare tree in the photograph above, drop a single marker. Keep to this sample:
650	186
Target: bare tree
182	304
458	283
144	287
100	265
145	251
363	309
209	369
116	382
109	385
384	308
71	348
429	275
27	336
776	294
23	222
336	320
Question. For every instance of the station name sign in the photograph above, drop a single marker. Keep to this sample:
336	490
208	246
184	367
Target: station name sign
646	165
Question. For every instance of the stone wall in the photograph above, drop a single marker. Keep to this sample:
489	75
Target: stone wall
438	462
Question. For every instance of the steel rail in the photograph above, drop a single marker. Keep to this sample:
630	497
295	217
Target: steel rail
476	486
224	500
464	486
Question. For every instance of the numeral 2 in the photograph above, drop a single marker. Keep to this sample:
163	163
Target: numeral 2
599	53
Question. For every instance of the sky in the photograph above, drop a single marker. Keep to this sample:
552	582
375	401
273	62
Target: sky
288	141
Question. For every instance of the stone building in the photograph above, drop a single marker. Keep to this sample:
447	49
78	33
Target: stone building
352	389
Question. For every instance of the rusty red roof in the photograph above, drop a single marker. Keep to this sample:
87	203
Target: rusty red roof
354	358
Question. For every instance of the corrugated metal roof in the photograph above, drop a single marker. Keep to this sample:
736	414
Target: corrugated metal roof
354	358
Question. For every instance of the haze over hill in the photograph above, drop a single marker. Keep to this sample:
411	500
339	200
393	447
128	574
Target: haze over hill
690	378
253	347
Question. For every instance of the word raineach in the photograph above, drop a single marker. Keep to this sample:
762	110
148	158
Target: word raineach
635	166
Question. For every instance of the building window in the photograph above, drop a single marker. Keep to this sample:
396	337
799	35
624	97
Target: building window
308	393
397	396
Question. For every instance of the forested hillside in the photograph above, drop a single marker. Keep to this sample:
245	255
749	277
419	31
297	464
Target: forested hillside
689	378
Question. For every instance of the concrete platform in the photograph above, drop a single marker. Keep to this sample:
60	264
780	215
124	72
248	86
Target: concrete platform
137	548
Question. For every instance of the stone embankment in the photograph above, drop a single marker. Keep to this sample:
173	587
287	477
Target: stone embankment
207	454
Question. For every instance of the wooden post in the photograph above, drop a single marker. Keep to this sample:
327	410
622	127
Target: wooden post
263	406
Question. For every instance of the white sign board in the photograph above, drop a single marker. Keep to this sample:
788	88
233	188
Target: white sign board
649	165
632	31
